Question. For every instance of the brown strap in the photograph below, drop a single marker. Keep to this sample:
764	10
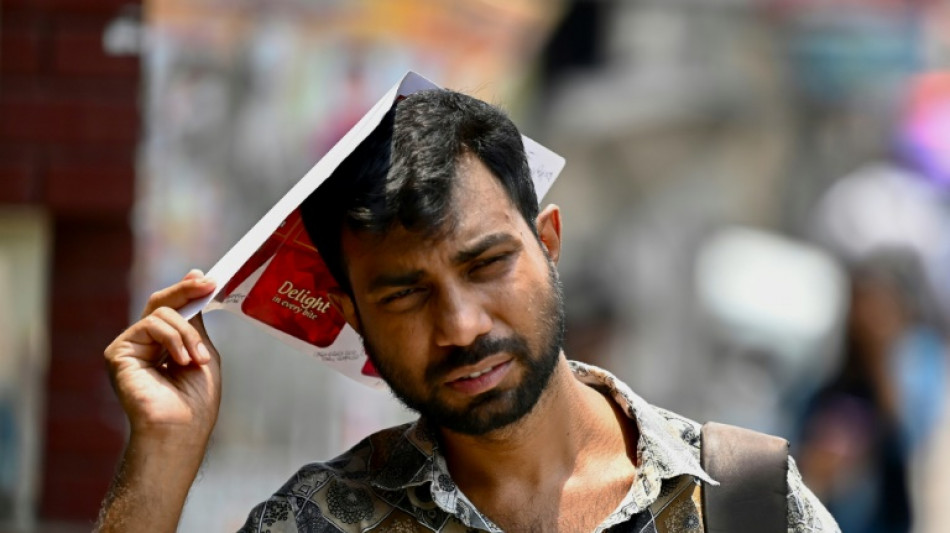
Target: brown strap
751	469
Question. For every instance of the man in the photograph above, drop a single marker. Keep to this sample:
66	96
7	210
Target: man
446	268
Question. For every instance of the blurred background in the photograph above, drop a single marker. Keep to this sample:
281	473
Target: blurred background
756	215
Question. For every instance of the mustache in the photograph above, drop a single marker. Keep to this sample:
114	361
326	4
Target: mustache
481	349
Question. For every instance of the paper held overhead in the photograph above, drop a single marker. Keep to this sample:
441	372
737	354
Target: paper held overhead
275	278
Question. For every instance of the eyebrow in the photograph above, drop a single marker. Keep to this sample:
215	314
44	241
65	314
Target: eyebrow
404	279
395	280
482	246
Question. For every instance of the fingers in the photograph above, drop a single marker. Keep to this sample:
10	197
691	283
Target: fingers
194	285
165	328
162	329
198	323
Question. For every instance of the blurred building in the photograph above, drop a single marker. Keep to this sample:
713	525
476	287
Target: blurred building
69	133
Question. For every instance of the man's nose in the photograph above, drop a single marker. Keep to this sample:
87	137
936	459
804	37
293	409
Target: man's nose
459	318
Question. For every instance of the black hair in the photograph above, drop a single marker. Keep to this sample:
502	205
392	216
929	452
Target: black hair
404	172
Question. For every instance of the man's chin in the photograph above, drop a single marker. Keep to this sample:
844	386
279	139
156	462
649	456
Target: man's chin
490	411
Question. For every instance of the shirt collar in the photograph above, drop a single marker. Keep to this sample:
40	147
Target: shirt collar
668	443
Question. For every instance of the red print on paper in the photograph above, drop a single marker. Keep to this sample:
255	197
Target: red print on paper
291	294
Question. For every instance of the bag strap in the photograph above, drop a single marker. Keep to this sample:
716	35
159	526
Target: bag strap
751	469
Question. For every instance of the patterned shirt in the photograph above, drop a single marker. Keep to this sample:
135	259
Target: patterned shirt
397	481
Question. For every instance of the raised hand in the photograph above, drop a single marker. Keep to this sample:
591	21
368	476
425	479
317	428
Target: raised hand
167	376
165	370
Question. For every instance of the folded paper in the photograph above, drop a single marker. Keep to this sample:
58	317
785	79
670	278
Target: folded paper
275	278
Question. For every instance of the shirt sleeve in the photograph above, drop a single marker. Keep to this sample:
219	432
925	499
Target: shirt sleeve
806	514
271	516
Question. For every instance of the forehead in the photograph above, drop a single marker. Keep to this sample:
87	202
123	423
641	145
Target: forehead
477	188
479	206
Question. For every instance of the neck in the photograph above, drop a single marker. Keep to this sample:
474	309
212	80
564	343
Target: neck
570	427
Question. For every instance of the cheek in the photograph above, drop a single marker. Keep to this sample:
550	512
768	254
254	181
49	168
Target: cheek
534	283
399	340
522	302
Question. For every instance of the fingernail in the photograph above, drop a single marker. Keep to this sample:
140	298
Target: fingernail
184	354
205	280
203	353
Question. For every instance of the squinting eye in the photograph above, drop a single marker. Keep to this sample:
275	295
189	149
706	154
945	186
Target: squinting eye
403	300
496	260
397	295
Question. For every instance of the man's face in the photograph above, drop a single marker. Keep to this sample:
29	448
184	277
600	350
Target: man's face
465	327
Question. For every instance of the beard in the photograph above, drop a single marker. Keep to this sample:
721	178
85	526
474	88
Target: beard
496	408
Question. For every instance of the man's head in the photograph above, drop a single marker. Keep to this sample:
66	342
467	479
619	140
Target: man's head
446	268
403	173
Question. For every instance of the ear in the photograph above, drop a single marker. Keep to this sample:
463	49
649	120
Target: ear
343	303
549	231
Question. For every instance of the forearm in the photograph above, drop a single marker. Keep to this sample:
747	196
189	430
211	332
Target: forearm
151	485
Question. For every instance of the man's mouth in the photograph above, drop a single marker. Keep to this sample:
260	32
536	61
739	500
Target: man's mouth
481	380
474	375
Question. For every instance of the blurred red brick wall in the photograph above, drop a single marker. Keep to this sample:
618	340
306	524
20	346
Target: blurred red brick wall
69	126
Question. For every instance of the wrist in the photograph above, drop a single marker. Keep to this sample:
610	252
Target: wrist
164	434
169	447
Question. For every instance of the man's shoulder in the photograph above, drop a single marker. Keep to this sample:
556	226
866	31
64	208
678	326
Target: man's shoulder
349	492
805	513
673	446
361	463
